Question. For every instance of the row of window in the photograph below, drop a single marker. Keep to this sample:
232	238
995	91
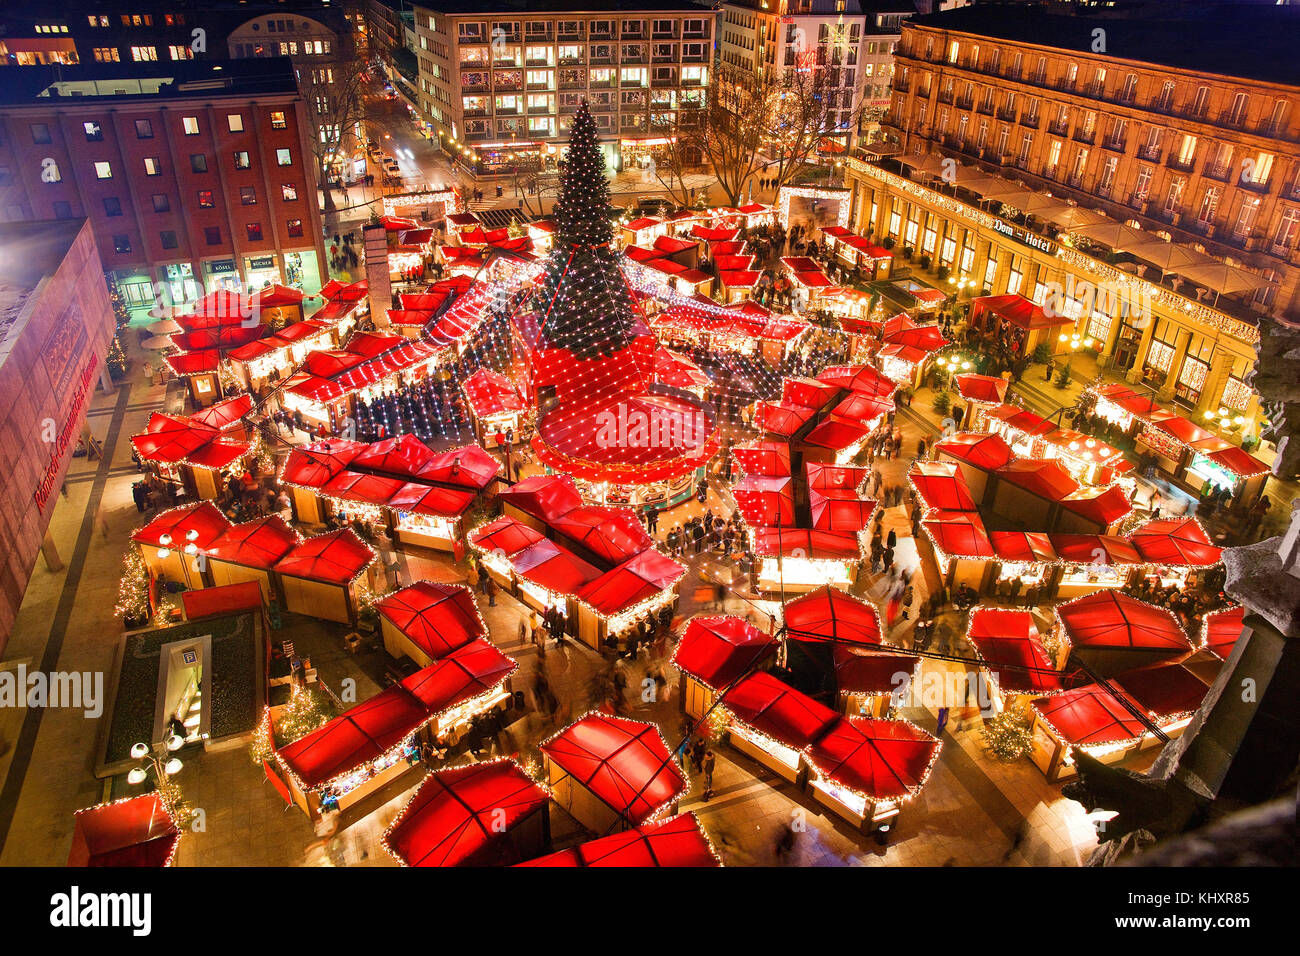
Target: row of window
144	128
480	32
211	235
152	167
539	55
135	20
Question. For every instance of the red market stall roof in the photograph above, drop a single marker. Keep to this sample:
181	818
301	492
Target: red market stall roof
219	601
672	368
677	842
837	510
719	650
400	457
941	485
171	438
506	535
980	449
336	557
640	577
612	534
203	519
431	500
811	544
461	816
959	533
645	222
278	296
1128	399
780	419
733	263
1232	458
437	618
807	391
768	459
837	433
349	485
739	278
358	735
551	567
135	832
624	763
777	710
1022	546
1180	428
1221	630
224	414
904	353
829	614
1094	549
466	467
825	477
1009	646
218	308
926	338
1104	506
765	501
859	671
397	223
990	389
878	759
1046	479
312	466
469	671
1090	716
858	378
543	496
1018	311
255	544
1164	691
202	362
491	393
1175	541
1109	620
863	408
335	291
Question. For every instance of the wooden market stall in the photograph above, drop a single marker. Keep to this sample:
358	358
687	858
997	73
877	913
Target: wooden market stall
172	541
249	551
426	621
320	576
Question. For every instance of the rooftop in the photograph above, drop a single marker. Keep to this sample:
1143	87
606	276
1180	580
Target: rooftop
175	80
1246	41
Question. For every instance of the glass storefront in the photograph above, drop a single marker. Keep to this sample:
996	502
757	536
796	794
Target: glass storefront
221	274
180	284
261	271
302	271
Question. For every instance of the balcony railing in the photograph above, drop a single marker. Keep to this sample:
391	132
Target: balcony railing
1149	153
1058	129
1182	165
1114	145
1088	137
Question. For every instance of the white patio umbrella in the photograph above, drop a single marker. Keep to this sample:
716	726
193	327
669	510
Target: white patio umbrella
158	342
165	327
1073	216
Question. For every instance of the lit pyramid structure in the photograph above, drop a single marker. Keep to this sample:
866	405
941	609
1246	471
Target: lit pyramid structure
590	357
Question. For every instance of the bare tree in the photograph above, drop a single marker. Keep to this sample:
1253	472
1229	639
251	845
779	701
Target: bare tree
734	128
807	110
336	108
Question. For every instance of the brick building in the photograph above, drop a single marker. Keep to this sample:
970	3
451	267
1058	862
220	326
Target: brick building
194	172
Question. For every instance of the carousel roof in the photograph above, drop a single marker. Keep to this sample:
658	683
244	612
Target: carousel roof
719	649
437	618
462	816
625	763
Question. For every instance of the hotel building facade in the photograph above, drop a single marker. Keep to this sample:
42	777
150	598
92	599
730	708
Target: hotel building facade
1203	159
499	86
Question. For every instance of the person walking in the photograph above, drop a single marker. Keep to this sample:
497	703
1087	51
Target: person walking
708	763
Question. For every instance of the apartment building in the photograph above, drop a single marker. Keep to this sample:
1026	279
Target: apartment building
1184	130
500	82
194	172
853	39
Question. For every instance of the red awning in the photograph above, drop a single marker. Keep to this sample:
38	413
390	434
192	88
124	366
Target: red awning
277	296
1165	691
1176	541
437	618
136	832
462	816
777	710
718	650
878	759
1009	646
336	557
829	614
222	600
859	378
765	501
1018	311
1094	549
871	672
678	841
433	500
543	496
1046	479
255	544
1240	463
1022	546
625	763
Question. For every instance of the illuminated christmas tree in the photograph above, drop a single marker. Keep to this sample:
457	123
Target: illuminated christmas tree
584	302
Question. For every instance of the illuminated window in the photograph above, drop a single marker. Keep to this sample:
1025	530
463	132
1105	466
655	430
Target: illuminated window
277	120
103	171
289	192
254	230
206	199
190	124
235	122
151	167
295	228
283	157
